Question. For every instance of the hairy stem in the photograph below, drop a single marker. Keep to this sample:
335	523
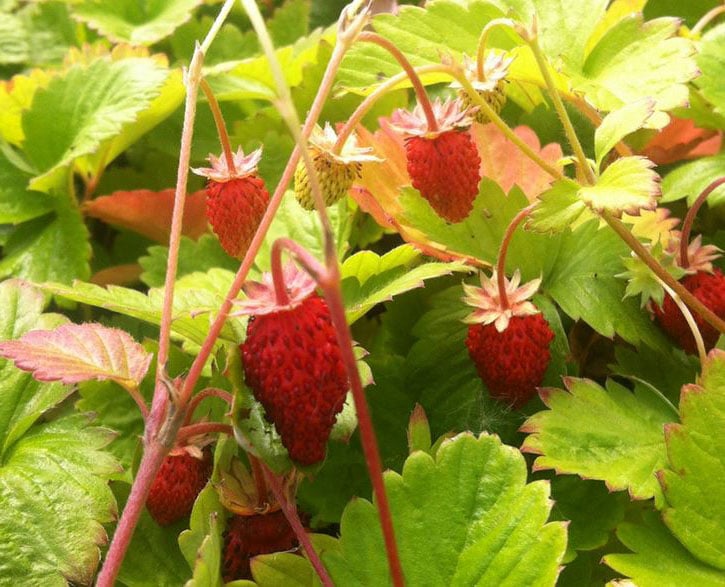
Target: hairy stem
420	92
638	248
483	39
187	432
584	168
202	395
501	263
690	219
290	512
221	127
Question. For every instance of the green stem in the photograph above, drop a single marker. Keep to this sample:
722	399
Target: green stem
483	39
571	135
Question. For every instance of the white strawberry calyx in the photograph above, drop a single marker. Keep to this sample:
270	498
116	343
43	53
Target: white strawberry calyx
262	297
495	68
244	166
450	115
324	141
489	308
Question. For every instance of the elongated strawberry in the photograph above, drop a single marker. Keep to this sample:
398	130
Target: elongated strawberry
235	200
249	536
179	480
336	171
444	166
293	363
508	342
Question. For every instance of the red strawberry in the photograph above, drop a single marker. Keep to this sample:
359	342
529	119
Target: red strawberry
249	536
235	200
444	164
293	364
707	287
508	343
178	482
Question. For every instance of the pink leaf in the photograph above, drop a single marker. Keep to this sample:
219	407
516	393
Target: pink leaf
79	352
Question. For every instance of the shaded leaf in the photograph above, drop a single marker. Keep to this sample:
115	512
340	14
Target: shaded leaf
610	434
78	352
690	179
490	526
695	448
149	213
659	560
17	203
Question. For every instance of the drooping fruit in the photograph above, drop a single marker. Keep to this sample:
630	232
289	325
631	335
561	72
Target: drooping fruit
491	86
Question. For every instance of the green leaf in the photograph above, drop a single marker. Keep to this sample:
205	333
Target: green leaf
202	543
610	434
77	111
56	478
369	279
710	62
659	560
127	21
52	247
696	454
289	22
282	568
690	179
490	525
17	203
558	209
194	256
627	185
619	123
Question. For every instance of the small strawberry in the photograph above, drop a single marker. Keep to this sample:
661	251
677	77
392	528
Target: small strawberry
235	200
507	341
249	536
491	87
180	479
293	363
335	171
444	166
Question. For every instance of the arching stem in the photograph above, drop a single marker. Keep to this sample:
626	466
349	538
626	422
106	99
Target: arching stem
202	395
483	39
707	18
420	92
221	126
280	288
699	343
690	219
202	428
501	263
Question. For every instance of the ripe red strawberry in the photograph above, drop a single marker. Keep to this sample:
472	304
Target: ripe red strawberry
335	170
508	345
235	200
249	536
293	364
707	287
444	166
179	480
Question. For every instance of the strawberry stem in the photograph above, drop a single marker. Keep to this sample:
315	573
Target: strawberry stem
690	219
259	480
280	288
202	395
221	126
290	512
699	343
707	19
483	39
420	92
501	263
192	430
639	249
135	394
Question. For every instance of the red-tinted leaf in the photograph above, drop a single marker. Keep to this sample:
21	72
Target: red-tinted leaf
79	352
681	139
149	213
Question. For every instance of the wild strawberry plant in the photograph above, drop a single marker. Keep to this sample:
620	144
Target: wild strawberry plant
362	294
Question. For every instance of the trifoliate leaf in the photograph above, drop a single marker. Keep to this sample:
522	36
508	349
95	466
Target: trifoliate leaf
79	352
627	185
127	21
690	179
710	62
659	560
56	477
696	455
490	525
619	123
370	279
614	435
86	105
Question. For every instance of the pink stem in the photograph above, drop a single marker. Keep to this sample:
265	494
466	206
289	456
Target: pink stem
316	269
501	264
135	394
420	92
280	288
259	479
202	395
290	512
202	428
690	219
221	127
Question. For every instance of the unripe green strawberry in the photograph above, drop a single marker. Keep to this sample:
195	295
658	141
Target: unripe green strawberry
492	87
